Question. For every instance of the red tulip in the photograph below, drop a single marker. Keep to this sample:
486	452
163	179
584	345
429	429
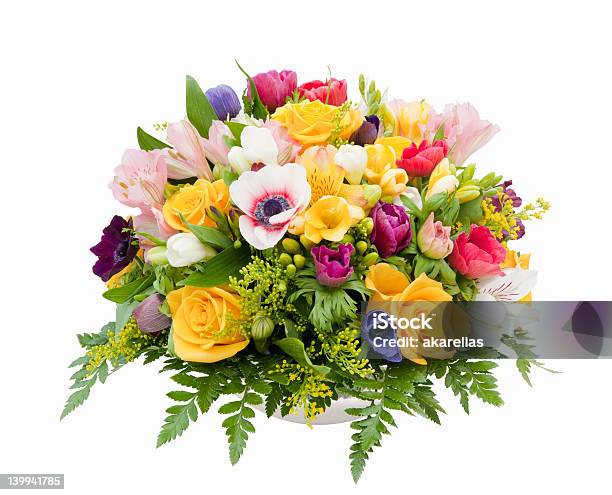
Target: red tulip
419	161
477	254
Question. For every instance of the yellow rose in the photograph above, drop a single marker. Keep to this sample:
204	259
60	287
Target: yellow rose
411	118
389	284
398	143
329	218
199	315
381	170
192	200
313	122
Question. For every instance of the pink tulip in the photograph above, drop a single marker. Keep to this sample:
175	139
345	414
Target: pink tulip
464	130
332	92
434	239
140	179
274	88
188	158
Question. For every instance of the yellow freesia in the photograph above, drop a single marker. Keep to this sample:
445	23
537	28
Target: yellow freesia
442	179
398	143
411	118
381	170
329	218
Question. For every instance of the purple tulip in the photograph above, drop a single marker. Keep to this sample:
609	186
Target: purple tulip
392	231
333	266
368	132
148	317
116	248
274	88
224	101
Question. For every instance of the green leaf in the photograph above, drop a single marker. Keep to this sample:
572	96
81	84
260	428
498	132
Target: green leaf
218	270
128	291
208	235
295	348
413	209
199	110
230	407
148	142
439	133
273	399
123	312
259	110
236	128
471	212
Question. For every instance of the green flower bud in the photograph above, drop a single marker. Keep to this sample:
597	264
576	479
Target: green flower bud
467	193
157	256
370	259
170	189
361	247
361	83
299	261
368	223
291	270
237	244
285	259
347	239
306	242
291	246
468	172
282	286
372	193
262	327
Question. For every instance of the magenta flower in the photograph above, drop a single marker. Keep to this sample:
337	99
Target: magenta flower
333	266
274	88
392	230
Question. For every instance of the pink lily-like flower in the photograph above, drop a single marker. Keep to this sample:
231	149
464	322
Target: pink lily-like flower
188	158
140	179
215	146
270	198
151	221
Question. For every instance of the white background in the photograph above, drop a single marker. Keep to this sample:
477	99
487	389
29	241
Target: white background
76	81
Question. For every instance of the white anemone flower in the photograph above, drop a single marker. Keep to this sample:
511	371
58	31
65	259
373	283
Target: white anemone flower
258	147
270	199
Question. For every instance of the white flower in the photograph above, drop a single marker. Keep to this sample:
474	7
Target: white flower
270	198
353	160
184	249
411	193
258	146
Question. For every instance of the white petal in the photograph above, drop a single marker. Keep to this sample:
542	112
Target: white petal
259	145
258	236
513	286
247	190
238	160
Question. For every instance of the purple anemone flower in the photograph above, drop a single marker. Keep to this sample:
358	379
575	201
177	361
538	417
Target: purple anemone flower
368	132
381	343
116	248
224	101
392	230
333	266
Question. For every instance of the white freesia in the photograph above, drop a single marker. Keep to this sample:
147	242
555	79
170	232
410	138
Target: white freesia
258	146
184	249
411	193
353	159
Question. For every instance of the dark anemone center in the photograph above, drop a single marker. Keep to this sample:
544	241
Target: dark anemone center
122	249
272	205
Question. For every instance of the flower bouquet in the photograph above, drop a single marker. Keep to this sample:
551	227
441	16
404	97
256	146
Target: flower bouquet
262	227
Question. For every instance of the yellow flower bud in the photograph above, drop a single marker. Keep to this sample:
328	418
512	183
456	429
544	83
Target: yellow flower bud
467	193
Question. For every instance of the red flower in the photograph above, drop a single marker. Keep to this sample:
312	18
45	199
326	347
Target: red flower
332	92
419	161
477	254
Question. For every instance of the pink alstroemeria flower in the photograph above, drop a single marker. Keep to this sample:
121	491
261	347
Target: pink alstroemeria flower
215	146
270	198
140	179
188	158
464	130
